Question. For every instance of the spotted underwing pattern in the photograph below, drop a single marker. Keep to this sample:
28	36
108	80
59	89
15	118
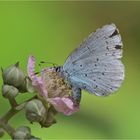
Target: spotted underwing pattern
95	65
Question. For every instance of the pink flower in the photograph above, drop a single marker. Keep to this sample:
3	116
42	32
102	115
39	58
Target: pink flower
57	97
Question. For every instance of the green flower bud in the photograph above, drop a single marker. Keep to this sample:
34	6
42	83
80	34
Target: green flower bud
24	129
14	76
49	120
9	91
35	111
1	132
22	133
22	88
29	86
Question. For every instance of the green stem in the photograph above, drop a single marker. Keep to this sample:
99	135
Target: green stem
8	115
15	109
10	130
13	102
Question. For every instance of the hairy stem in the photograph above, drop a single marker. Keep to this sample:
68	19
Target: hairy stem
8	115
13	102
10	130
15	108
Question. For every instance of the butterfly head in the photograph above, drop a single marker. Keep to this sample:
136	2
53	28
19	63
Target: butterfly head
58	69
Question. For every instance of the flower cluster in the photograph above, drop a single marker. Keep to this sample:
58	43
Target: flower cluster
51	95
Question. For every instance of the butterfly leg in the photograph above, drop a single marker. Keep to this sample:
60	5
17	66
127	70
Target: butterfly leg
76	95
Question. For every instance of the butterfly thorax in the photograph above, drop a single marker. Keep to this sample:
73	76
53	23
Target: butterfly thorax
55	84
63	74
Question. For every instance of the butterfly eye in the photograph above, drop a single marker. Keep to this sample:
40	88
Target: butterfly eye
57	69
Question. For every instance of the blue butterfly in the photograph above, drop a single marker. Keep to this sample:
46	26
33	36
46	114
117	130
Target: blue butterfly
95	66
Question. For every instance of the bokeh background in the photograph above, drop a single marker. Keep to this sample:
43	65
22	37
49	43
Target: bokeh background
50	31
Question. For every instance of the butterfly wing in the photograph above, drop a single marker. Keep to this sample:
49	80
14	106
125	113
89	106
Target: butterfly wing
95	65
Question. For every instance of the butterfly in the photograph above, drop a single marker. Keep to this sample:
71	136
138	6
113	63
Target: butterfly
95	66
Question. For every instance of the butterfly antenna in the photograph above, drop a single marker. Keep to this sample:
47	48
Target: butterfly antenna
44	62
37	73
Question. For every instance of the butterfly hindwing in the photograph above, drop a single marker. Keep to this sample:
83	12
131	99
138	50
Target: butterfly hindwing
95	65
101	79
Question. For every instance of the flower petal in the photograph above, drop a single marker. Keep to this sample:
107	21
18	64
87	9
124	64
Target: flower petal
31	66
37	81
64	105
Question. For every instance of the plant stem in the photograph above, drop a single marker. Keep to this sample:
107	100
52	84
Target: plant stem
10	130
13	102
5	118
9	114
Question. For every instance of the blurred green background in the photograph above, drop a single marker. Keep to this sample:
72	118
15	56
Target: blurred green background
50	31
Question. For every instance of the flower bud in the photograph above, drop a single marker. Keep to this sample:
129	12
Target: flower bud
35	111
24	129
29	86
49	120
9	91
14	76
22	133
